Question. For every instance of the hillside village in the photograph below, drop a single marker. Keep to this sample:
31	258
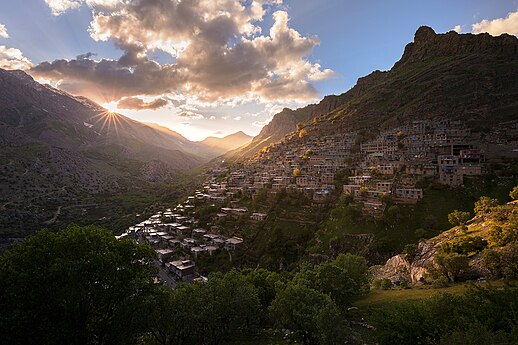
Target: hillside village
385	169
388	167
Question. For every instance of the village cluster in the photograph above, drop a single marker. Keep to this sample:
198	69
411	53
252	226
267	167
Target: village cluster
388	167
382	170
178	239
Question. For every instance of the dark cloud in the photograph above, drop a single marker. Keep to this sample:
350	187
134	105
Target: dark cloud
88	55
191	115
136	103
107	80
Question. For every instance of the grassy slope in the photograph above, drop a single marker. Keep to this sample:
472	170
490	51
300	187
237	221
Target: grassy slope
377	298
438	203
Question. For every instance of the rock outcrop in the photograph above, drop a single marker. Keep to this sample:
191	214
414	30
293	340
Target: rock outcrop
427	45
414	271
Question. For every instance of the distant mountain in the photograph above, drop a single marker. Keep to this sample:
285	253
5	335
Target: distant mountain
46	116
228	143
456	76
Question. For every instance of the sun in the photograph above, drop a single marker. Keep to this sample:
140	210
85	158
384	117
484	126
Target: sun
108	119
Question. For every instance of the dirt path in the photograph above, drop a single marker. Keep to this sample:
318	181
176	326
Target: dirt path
53	219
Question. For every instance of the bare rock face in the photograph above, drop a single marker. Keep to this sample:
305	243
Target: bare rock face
427	44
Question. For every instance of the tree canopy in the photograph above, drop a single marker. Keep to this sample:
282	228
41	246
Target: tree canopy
76	286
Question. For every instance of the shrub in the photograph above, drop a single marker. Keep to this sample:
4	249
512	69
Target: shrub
386	284
459	218
485	205
502	262
465	245
448	265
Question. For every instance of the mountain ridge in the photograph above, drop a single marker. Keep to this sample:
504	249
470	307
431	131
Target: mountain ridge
474	77
63	151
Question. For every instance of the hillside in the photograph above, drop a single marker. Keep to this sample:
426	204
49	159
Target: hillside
455	76
62	152
385	168
285	122
495	228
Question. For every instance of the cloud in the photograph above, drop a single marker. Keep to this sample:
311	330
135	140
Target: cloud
108	80
136	103
3	31
262	123
12	58
498	26
86	56
191	115
219	51
58	7
457	29
237	118
212	117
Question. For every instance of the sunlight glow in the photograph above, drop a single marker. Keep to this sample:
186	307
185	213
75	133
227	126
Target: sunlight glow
108	119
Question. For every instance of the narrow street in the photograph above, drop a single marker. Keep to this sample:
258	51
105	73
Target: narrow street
164	275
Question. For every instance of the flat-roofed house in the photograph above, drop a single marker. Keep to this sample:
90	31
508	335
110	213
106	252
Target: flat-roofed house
233	243
183	270
164	254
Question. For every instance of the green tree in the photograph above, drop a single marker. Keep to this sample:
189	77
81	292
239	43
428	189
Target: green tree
465	245
229	305
264	282
77	286
356	268
500	236
331	327
336	283
459	218
449	265
342	279
502	262
172	316
306	311
224	308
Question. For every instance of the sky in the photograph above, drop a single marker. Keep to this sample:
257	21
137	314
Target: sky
214	67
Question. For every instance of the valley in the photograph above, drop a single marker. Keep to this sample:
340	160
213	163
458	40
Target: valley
387	214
